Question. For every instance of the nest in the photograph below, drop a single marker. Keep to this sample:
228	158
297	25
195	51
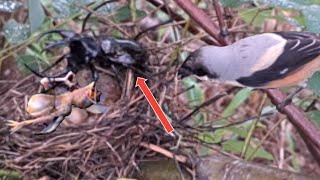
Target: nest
115	143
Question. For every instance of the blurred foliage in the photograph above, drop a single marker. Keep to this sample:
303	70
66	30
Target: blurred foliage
11	175
67	8
36	14
231	139
235	146
32	61
314	83
124	13
195	97
234	3
309	9
315	117
16	32
9	6
238	99
292	149
256	16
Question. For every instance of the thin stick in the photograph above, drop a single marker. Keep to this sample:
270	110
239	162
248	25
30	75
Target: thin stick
253	126
164	152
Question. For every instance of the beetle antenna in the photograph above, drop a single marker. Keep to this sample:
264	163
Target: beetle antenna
138	36
32	70
47	69
90	13
53	45
62	33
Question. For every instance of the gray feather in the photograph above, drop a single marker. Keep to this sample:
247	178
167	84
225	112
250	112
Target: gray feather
236	60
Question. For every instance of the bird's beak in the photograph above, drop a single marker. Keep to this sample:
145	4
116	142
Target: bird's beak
184	71
186	68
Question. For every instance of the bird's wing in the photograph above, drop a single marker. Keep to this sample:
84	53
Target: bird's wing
300	49
292	35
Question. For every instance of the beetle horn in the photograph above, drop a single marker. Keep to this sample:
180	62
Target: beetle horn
53	45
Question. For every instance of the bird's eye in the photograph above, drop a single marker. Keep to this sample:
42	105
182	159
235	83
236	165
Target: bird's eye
203	72
200	72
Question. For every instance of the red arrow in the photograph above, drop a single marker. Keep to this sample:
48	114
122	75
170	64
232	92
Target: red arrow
141	82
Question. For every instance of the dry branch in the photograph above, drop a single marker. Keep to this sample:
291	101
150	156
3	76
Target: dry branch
222	167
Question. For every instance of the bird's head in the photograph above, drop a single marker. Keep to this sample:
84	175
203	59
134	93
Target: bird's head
195	65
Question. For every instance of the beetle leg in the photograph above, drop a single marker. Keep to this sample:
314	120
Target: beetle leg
130	46
53	45
116	73
90	13
139	35
95	75
48	68
48	83
68	79
67	76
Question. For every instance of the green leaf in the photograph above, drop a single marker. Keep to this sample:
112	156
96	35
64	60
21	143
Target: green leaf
66	8
309	8
205	151
291	3
234	3
30	60
292	149
195	95
255	16
314	83
238	99
200	118
315	117
8	174
36	14
214	137
240	131
124	14
9	6
299	20
16	32
312	14
235	146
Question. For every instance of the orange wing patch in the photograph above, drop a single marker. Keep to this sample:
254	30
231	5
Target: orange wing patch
297	76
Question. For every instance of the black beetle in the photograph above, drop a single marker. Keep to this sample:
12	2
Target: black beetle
85	50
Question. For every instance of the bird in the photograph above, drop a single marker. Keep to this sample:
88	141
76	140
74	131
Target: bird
266	60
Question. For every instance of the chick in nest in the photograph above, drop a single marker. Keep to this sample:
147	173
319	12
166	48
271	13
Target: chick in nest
46	107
